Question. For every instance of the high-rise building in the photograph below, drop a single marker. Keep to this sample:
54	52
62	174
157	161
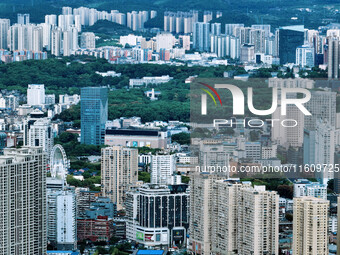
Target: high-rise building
21	37
158	215
201	36
46	35
252	223
310	226
218	45
319	148
234	47
37	39
216	28
266	29
67	40
292	136
230	28
290	38
119	172
62	219
56	42
163	168
94	114
36	94
38	132
201	202
207	16
51	19
4	27
305	56
23	201
321	106
23	19
226	216
288	136
247	53
257	38
333	58
88	40
66	10
165	41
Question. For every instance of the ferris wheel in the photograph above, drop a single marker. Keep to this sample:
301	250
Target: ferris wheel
59	162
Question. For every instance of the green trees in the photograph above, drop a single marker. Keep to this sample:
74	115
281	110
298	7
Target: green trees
144	176
181	138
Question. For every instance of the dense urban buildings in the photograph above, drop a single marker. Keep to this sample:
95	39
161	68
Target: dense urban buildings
104	154
235	216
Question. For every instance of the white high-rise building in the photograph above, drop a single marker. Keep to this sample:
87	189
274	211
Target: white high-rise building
230	28
66	10
23	201
4	27
319	148
66	221
321	106
23	19
38	132
77	22
51	19
288	136
46	35
20	37
310	226
37	39
163	167
88	40
119	172
56	42
165	41
291	136
36	94
235	47
153	14
67	43
61	225
305	56
65	21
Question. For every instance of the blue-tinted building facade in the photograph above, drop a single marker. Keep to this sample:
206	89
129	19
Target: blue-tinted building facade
290	38
94	114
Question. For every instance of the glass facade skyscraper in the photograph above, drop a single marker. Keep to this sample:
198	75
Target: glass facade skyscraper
290	38
94	114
